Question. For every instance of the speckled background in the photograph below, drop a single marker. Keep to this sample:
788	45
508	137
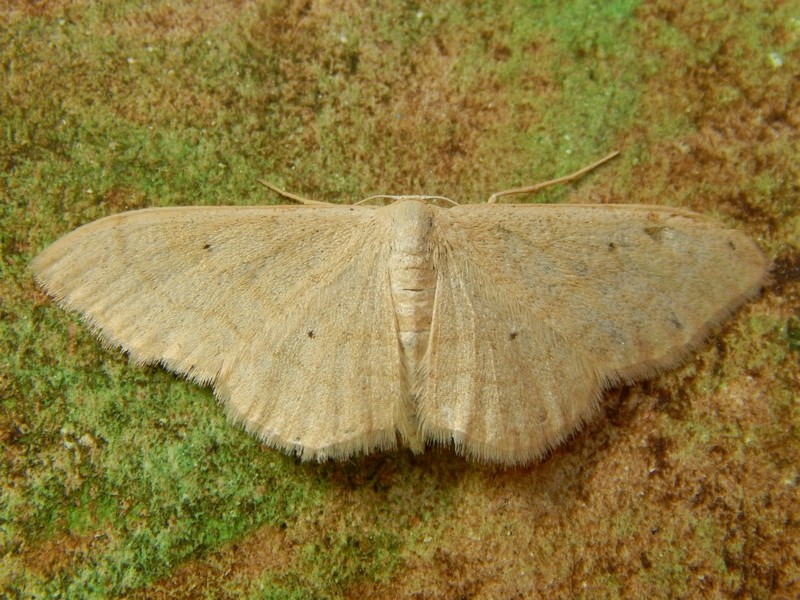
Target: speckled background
120	480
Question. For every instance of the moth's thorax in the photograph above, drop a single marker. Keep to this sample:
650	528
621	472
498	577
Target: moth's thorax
412	277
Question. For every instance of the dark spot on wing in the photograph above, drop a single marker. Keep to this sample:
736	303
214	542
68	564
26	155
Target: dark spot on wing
656	233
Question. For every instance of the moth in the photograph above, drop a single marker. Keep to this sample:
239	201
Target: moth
329	330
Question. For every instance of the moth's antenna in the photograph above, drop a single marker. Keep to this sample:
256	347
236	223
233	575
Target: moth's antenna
291	196
535	188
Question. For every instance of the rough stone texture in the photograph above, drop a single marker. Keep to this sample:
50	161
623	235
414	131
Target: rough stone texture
118	480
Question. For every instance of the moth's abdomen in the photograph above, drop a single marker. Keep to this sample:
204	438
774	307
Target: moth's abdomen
413	280
413	287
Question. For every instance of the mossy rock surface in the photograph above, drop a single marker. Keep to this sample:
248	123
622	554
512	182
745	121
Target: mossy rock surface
124	481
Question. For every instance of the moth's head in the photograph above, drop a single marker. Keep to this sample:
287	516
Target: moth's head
385	200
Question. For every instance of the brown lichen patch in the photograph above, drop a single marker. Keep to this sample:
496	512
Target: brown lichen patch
786	276
183	21
118	200
60	556
13	10
232	567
